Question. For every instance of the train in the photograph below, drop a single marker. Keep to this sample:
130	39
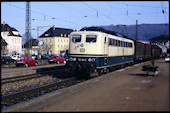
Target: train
100	52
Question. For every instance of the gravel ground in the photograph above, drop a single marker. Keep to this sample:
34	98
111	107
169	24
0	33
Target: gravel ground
9	88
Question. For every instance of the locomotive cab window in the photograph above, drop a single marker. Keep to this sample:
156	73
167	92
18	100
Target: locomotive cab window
91	38
76	38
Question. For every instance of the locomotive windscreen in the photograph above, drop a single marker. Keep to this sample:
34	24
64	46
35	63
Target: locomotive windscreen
91	38
76	38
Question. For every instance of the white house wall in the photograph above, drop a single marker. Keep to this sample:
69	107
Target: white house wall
14	43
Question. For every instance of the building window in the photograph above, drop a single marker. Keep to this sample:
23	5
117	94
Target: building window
50	52
46	34
49	46
58	40
65	35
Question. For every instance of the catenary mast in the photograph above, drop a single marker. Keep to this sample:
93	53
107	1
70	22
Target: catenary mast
28	28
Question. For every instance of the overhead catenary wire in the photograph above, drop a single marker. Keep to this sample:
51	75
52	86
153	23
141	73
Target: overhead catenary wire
136	5
163	11
43	14
99	12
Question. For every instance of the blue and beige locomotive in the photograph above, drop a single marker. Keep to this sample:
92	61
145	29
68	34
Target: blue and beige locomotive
95	51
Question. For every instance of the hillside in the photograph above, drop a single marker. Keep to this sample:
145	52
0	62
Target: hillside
145	31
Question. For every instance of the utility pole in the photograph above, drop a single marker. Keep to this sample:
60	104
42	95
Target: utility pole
28	27
136	30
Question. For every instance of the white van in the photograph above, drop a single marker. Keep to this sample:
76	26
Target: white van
16	57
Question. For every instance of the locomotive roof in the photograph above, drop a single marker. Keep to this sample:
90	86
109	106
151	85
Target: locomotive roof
110	35
100	29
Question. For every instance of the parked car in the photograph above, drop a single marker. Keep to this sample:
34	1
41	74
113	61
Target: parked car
167	58
16	57
57	59
45	56
7	60
26	61
35	57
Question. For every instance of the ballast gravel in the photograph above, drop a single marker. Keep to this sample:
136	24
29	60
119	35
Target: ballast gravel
13	87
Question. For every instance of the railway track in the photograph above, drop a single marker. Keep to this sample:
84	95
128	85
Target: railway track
13	99
22	96
30	76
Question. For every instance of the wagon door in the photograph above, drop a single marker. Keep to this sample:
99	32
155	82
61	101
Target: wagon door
105	50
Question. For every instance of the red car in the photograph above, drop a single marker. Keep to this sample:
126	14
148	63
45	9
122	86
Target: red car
56	59
26	61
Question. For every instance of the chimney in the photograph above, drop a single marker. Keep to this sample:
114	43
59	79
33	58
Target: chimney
3	22
53	28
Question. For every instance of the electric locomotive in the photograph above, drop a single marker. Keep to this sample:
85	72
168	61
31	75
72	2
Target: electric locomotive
94	51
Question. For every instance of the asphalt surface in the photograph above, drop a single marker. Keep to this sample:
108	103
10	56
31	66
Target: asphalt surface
128	89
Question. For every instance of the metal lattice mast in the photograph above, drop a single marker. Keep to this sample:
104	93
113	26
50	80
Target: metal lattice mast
28	27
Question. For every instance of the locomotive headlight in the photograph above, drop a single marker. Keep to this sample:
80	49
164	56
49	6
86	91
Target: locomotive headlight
70	59
74	59
93	59
89	59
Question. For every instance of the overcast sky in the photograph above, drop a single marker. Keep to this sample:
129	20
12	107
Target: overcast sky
79	14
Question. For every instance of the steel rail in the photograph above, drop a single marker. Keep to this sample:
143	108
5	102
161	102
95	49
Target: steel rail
10	100
28	76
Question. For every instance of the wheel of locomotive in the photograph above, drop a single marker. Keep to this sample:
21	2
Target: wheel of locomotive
104	70
111	69
100	72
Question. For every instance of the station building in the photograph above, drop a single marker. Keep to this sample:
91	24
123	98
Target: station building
54	41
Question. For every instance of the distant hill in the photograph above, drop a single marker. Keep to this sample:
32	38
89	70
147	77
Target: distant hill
145	31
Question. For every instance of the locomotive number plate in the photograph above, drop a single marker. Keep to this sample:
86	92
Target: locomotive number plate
82	49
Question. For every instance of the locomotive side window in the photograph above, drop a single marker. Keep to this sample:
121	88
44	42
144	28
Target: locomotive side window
129	45
110	41
126	44
76	38
91	38
114	43
118	43
121	43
